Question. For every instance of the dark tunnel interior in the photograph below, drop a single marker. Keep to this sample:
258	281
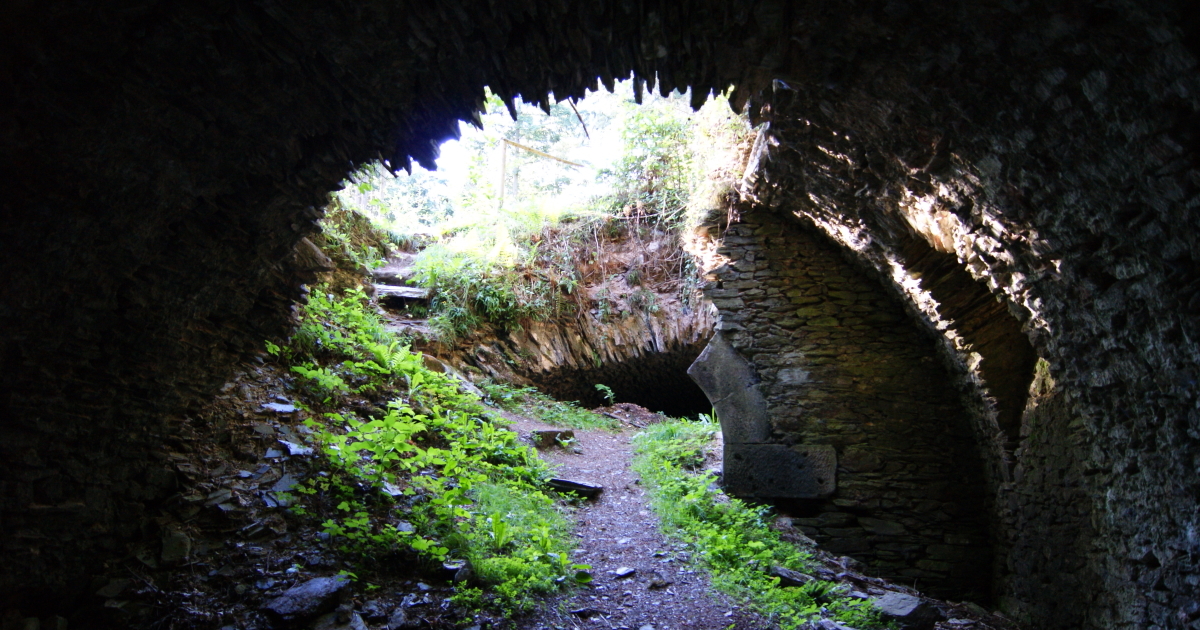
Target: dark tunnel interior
657	381
163	162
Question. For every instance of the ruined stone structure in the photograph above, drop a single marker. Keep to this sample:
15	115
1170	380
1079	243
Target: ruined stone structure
850	389
162	161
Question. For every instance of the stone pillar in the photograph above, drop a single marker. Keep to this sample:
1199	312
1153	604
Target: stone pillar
753	465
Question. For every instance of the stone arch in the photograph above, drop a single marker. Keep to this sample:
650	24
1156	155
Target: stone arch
839	405
162	162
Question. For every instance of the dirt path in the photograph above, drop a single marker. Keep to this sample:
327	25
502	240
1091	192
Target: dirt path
616	532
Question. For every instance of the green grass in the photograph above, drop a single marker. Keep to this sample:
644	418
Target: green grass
530	402
432	474
729	538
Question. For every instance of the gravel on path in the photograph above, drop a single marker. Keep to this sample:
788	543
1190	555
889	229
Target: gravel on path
642	581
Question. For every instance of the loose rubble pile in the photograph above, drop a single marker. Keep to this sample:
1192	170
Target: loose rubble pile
231	556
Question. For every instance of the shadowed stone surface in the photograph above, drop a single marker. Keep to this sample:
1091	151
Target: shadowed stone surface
307	600
731	385
840	371
774	470
161	162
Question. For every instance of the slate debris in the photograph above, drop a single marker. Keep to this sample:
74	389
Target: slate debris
788	577
339	621
910	611
307	600
658	582
581	488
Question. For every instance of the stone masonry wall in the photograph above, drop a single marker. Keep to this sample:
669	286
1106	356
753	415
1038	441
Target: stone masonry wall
642	356
161	160
840	365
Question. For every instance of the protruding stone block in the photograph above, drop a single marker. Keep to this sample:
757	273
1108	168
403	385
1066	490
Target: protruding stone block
778	471
731	385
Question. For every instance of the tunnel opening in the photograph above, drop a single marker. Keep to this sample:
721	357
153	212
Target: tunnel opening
550	246
657	381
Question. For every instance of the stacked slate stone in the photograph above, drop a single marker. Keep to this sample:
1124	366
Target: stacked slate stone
841	365
161	161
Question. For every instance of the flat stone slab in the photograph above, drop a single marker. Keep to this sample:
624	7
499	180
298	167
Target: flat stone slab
397	270
581	488
308	599
551	437
804	471
404	293
910	611
788	577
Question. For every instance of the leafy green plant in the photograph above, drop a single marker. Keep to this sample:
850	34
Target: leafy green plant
607	392
464	484
644	300
350	238
728	537
321	381
654	175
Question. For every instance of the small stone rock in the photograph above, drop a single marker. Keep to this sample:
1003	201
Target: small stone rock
374	610
308	599
457	570
551	437
280	407
909	610
285	483
399	620
295	449
788	577
176	545
331	621
114	588
624	572
898	604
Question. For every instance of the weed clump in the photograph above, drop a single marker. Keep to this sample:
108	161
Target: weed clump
529	401
730	538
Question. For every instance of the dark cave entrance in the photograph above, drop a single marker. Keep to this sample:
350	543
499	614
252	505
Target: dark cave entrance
657	381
